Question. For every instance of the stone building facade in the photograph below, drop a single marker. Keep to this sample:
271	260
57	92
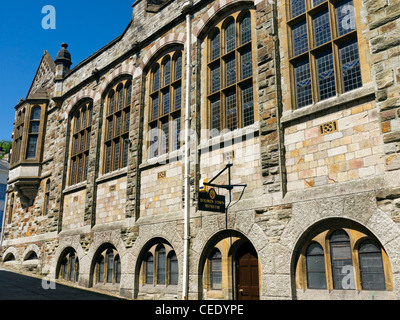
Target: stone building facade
301	97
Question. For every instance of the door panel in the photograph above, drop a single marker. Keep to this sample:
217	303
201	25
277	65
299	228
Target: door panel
247	279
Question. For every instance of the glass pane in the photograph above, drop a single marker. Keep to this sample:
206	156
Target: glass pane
342	264
174	270
116	155
78	122
125	153
156	79
128	95
178	97
110	124
176	144
34	127
248	105
231	112
216	114
86	167
215	78
36	113
178	67
127	120
246	64
117	270
153	141
80	168
345	16
216	271
326	75
118	126
245	29
108	158
230	71
298	7
371	266
84	119
167	72
120	97
110	267
155	108
166	102
149	270
165	137
31	150
161	266
303	83
317	2
215	46
73	172
112	103
315	264
230	42
101	270
322	30
350	65
300	40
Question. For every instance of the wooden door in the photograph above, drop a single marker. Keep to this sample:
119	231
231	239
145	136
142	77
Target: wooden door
247	280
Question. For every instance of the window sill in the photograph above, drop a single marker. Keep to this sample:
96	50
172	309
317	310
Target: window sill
338	100
163	159
75	187
112	175
225	139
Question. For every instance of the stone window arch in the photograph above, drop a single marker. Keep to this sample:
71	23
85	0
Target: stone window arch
107	267
343	258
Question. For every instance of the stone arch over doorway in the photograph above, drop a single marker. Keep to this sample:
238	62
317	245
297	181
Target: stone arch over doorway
224	260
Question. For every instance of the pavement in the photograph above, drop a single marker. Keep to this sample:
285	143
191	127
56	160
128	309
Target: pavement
15	286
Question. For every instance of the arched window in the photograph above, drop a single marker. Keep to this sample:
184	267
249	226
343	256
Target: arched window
165	104
371	266
117	109
108	267
230	93
33	134
117	269
149	269
341	260
173	269
80	143
46	197
69	267
216	270
161	264
316	278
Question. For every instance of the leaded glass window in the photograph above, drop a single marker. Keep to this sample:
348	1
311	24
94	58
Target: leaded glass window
161	263
149	269
81	127
216	270
173	269
371	266
165	105
69	267
117	126
230	91
323	50
341	260
315	263
108	266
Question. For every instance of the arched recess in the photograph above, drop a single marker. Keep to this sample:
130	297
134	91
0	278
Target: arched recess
105	267
68	263
232	246
335	239
163	278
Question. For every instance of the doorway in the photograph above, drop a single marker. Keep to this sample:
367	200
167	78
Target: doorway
247	275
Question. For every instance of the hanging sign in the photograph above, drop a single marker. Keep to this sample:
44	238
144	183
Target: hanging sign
211	201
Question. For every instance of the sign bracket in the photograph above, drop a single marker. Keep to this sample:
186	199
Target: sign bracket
228	187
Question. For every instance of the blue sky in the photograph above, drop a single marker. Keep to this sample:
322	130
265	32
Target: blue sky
86	26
